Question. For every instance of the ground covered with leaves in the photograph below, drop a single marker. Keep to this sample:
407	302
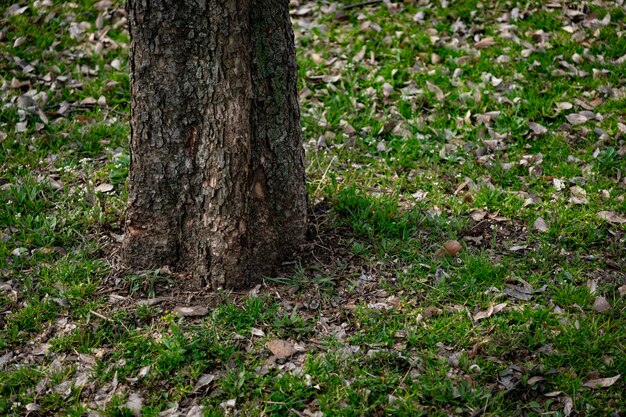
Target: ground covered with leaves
468	218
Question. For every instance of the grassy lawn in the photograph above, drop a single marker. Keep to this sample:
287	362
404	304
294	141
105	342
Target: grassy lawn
467	183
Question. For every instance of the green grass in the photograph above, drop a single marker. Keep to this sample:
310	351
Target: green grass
382	321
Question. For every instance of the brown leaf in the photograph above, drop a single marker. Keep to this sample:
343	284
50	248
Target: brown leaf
601	305
541	225
15	10
537	128
520	292
204	380
257	332
103	5
135	403
534	379
195	411
104	188
568	405
489	312
564	105
116	64
281	348
576	119
19	41
578	195
611	217
21	127
452	247
88	101
478	215
438	92
317	59
558	184
358	57
485	43
601	382
387	90
420	195
117	237
592	284
349	130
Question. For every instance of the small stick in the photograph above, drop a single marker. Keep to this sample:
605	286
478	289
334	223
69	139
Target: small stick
402	380
101	316
324	175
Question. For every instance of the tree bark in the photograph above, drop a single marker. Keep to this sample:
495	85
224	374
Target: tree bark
216	183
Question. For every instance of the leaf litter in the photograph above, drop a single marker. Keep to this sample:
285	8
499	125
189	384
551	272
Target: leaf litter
498	231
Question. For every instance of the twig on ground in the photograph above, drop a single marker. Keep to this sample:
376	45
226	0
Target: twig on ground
402	380
321	181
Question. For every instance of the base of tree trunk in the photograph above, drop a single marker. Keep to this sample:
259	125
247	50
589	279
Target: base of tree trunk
217	183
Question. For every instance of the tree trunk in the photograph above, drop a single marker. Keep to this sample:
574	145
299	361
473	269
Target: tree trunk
217	183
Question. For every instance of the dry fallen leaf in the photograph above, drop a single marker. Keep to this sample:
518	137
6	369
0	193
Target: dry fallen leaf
117	237
257	332
489	312
592	284
611	217
559	184
578	195
521	292
478	215
191	311
438	92
88	101
21	127
601	382
281	348
485	43
19	41
452	247
104	188
541	225
534	379
103	4
576	119
568	405
564	105
387	90
204	380
33	407
537	128
601	305
144	371
135	403
420	195
195	411
229	403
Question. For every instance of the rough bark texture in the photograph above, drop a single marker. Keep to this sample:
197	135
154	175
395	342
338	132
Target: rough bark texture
217	168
